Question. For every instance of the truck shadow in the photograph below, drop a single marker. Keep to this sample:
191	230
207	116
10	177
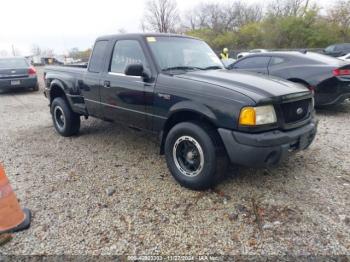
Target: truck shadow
127	141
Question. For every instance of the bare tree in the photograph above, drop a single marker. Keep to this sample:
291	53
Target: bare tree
15	51
239	13
340	14
288	7
209	15
223	17
48	52
3	53
161	16
191	20
122	31
36	50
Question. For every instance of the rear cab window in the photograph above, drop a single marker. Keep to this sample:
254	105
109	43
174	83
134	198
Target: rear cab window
96	62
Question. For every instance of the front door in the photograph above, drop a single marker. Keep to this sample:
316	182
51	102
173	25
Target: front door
123	97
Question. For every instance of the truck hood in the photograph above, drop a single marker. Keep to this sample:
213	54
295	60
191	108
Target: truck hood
256	86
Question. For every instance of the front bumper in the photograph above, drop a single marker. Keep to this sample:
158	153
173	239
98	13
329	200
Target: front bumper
268	148
27	82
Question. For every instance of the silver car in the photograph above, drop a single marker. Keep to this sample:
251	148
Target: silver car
16	72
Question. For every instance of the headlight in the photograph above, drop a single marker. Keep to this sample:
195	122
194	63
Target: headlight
260	115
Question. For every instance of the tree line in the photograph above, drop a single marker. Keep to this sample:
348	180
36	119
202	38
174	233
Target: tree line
236	24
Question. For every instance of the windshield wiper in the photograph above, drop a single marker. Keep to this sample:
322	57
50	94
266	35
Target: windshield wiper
185	68
212	67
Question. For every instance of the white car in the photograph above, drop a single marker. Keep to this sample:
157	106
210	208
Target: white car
253	51
345	57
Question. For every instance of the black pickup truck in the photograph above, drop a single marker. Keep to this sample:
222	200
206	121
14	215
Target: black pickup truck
176	87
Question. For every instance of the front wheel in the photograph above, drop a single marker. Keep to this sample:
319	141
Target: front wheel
194	155
66	122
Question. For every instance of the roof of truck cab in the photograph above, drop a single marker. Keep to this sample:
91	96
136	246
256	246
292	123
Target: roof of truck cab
139	35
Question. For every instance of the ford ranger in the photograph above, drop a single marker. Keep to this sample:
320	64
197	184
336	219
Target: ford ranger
176	88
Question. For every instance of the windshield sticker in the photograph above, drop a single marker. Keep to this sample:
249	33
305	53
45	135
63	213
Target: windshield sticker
151	39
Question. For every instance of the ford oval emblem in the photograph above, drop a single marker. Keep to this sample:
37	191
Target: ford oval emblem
13	72
300	111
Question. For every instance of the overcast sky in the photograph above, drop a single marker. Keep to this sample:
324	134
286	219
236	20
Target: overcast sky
64	24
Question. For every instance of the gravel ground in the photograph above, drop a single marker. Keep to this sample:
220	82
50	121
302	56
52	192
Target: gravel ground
108	191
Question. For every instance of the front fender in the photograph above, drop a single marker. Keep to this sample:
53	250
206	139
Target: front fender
194	107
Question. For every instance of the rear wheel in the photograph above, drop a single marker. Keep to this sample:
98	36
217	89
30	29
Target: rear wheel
66	122
194	155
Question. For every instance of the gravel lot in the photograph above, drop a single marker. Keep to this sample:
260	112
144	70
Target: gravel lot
108	191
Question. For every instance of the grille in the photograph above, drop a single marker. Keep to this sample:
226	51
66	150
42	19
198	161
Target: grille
296	111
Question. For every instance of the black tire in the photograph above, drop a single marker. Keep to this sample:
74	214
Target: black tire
66	122
208	172
36	88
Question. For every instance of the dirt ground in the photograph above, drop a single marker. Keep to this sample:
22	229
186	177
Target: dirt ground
108	191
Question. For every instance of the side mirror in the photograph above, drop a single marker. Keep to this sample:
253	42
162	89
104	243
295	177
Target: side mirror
134	70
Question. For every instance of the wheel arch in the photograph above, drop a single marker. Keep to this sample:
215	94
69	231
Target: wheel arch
183	113
56	90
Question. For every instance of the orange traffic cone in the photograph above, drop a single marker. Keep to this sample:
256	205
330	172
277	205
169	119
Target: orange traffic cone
12	217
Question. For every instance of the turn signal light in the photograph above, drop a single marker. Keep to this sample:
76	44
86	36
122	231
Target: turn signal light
247	116
259	115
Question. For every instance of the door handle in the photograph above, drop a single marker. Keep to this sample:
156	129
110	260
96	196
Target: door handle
107	84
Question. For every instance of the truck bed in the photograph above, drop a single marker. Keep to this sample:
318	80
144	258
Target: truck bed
67	68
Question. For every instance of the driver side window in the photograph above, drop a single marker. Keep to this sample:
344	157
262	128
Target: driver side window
126	52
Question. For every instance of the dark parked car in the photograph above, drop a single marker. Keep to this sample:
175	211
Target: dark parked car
328	77
16	72
202	113
337	49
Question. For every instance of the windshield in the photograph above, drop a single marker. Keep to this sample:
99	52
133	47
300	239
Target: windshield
180	53
13	63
